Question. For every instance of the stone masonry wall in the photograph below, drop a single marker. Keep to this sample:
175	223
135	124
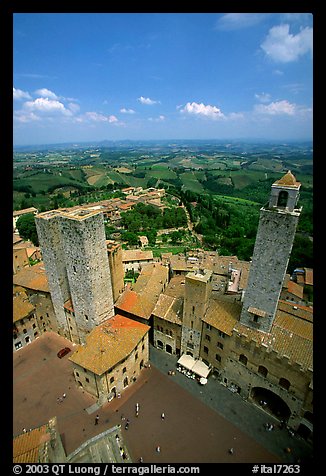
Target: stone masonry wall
272	251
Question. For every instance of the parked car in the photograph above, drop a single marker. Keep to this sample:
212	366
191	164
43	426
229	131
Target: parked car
63	352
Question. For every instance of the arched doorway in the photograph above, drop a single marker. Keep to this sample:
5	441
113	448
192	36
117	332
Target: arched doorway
168	349
271	402
160	344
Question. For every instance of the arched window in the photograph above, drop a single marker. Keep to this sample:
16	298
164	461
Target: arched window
282	198
243	359
125	382
284	383
262	370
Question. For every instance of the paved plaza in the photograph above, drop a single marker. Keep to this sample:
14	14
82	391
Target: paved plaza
201	423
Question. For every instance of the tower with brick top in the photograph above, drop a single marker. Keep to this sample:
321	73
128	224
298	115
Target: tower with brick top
276	230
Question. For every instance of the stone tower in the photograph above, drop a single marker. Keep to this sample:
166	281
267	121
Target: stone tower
277	225
75	257
198	288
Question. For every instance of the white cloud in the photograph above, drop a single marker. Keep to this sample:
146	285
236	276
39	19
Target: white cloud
237	21
73	107
147	101
97	117
263	97
46	105
281	46
211	112
127	111
19	94
277	108
46	93
24	117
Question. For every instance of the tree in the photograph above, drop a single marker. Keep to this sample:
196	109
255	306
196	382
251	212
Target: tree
27	228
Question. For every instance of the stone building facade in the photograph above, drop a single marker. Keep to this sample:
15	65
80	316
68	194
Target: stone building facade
112	357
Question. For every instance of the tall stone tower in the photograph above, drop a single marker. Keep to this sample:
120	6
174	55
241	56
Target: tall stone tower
198	288
277	225
75	257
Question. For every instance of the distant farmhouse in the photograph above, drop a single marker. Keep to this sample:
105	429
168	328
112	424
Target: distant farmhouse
249	325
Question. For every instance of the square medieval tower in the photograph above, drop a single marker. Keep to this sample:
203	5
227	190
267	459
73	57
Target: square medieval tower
276	230
75	256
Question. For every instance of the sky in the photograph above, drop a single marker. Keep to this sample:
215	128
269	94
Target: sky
81	77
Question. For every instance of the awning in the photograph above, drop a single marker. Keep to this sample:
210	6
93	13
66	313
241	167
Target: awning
196	366
187	361
201	369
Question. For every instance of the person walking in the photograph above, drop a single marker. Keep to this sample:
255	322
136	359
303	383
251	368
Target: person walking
158	449
96	420
162	416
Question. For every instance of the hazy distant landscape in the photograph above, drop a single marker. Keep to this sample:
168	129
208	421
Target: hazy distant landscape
223	184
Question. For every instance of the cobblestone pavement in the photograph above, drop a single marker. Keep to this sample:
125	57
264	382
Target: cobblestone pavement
200	425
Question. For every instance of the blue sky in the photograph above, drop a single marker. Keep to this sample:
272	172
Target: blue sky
140	76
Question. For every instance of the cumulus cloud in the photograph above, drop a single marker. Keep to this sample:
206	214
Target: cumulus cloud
19	94
47	106
46	93
281	46
196	109
147	101
127	111
277	108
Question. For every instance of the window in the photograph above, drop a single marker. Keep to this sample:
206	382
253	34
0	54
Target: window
136	356
218	357
190	345
262	370
283	382
25	331
86	317
243	359
207	337
111	379
87	380
220	345
205	349
124	370
208	327
221	334
282	198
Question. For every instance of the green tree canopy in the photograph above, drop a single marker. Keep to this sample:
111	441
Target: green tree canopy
27	228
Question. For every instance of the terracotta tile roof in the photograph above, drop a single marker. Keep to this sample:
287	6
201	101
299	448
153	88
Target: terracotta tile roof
169	308
223	315
309	276
136	255
109	343
21	307
33	277
288	180
303	312
134	303
290	336
17	213
27	445
295	289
